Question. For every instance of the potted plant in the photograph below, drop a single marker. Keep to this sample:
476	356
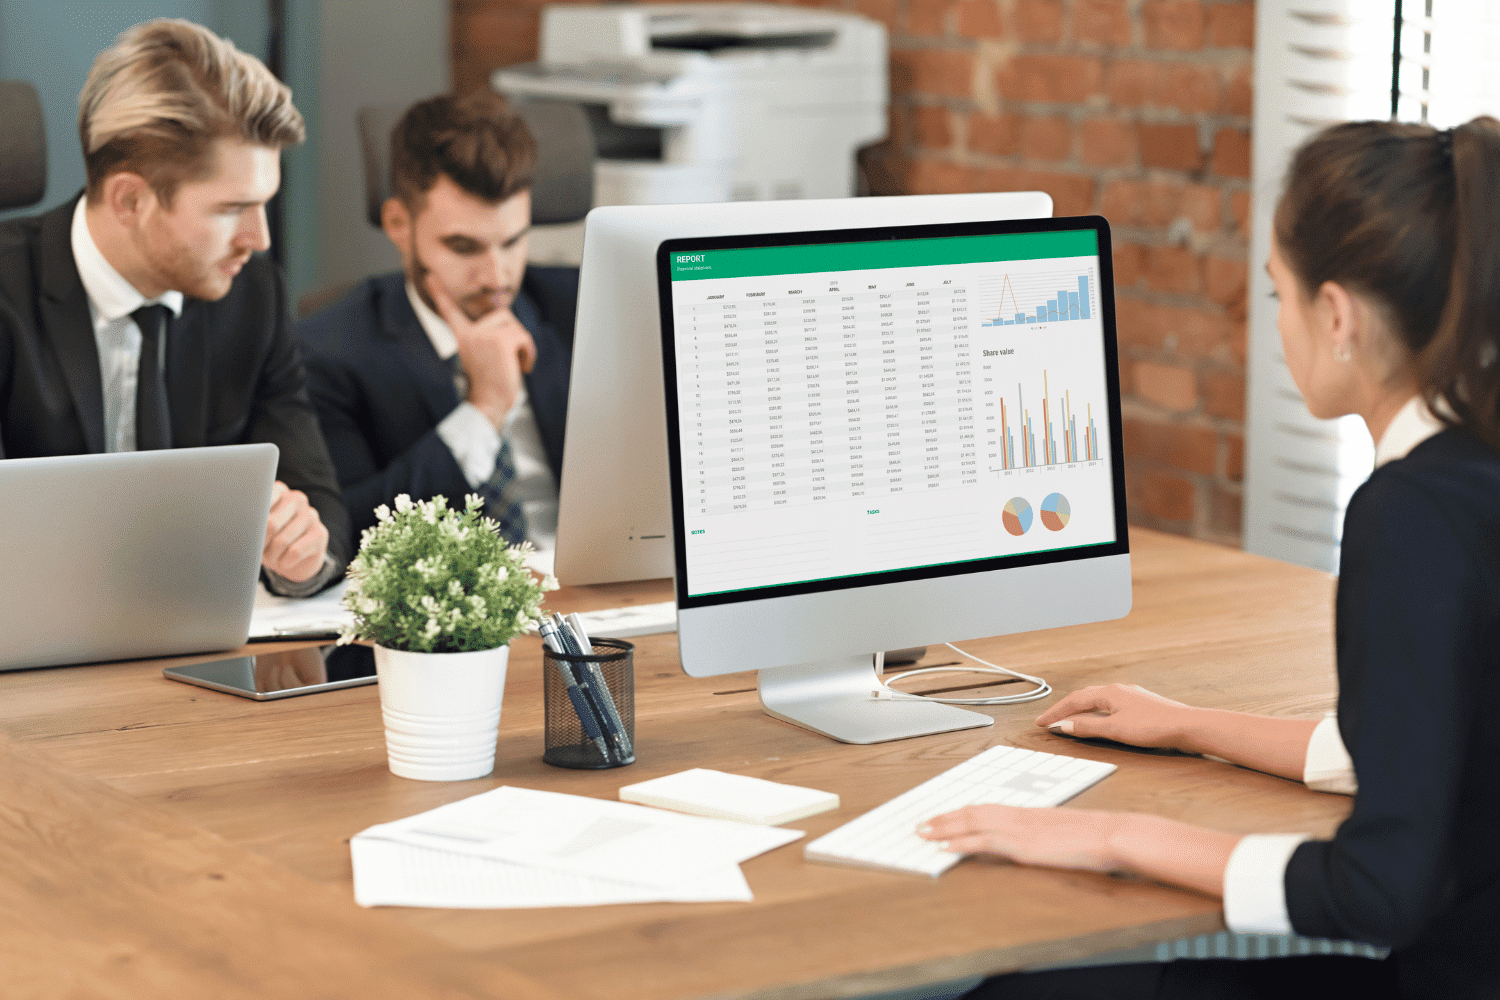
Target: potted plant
440	594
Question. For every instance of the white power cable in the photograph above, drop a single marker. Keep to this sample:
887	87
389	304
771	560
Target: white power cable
887	693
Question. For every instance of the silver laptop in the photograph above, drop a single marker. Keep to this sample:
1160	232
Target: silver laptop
113	557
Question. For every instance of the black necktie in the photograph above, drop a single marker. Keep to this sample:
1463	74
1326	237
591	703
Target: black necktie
153	422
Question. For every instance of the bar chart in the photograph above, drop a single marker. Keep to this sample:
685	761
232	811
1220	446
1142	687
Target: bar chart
1062	440
1047	298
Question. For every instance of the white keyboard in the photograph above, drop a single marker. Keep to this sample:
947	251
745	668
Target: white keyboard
637	619
886	838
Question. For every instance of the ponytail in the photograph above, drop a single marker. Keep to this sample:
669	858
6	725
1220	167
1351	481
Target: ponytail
1409	217
1460	365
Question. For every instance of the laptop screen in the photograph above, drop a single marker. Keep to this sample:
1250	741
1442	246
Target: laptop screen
855	407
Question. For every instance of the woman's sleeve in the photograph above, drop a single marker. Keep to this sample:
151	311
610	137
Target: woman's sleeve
1328	767
1413	608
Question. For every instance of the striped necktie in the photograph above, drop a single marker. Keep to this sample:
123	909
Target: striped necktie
497	489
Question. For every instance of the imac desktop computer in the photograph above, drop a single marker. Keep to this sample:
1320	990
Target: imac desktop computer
614	516
883	438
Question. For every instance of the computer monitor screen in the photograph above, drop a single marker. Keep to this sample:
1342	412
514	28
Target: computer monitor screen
614	518
894	421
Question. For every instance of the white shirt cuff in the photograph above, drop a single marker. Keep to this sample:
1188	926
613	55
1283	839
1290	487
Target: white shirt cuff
1328	767
1255	883
473	441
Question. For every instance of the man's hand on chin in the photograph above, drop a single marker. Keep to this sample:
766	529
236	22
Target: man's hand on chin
295	536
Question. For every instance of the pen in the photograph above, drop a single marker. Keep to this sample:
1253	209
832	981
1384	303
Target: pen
549	636
600	687
591	679
582	637
587	716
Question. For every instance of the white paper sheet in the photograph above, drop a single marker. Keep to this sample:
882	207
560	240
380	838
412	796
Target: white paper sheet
593	837
275	616
387	873
633	620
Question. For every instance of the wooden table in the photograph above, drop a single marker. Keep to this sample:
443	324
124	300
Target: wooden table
166	840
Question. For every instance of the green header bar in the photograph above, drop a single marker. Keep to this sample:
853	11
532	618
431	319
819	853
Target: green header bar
754	262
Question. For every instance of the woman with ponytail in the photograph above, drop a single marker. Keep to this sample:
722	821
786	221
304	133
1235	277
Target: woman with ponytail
1386	260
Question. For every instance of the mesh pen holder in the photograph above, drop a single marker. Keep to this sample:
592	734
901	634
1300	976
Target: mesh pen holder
569	742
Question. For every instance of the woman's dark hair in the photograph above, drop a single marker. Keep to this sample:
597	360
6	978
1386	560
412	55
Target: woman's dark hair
1409	217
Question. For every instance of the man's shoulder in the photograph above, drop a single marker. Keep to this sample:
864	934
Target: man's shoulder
338	327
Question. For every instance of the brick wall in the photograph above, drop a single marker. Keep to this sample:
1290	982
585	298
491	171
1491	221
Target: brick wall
1138	110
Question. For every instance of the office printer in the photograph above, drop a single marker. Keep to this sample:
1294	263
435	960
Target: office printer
714	102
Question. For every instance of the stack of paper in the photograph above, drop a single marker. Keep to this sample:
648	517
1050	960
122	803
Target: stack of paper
730	796
514	847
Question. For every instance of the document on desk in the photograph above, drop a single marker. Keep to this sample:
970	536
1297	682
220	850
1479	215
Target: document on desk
290	617
593	838
387	873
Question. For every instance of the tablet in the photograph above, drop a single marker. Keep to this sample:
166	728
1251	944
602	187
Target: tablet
268	676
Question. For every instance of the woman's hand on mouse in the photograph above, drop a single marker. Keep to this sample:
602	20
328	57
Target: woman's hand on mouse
1126	713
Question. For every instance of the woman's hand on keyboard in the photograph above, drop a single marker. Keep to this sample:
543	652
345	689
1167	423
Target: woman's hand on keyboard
1125	713
1154	846
1055	838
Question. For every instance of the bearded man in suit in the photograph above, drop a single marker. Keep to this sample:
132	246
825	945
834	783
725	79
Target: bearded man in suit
142	314
451	375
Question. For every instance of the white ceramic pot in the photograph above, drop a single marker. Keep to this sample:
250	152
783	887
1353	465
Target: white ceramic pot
442	711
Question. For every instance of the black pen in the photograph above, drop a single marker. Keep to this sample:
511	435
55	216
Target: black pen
587	715
600	686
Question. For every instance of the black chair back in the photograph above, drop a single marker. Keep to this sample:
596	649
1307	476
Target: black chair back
23	146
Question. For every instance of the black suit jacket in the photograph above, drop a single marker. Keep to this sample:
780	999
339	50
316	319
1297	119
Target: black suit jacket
1416	865
233	373
380	388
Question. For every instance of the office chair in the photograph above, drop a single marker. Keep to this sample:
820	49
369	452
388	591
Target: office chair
23	146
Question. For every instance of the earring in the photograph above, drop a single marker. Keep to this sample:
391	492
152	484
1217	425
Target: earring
1341	352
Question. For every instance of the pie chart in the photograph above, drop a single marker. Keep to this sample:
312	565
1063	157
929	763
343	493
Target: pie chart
1017	516
1055	512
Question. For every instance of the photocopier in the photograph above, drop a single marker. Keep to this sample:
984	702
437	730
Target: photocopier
714	102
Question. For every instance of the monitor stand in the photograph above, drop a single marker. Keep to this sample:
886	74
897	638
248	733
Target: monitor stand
833	697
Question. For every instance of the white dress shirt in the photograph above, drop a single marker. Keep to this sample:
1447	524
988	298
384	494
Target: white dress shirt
1255	878
111	301
475	443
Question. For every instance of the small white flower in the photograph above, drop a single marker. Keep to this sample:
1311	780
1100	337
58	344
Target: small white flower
382	514
403	502
549	582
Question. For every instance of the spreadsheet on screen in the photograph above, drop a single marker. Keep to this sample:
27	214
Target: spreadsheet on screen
862	407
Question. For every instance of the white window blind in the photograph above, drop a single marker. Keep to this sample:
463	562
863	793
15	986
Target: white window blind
1318	62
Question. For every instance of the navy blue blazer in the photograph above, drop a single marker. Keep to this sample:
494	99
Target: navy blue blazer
380	388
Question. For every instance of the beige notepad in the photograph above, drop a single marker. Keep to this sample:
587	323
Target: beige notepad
703	792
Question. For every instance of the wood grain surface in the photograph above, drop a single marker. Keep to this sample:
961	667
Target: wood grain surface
175	780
